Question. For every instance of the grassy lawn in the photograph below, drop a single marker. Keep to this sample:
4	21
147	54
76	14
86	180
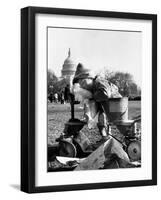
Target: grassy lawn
59	114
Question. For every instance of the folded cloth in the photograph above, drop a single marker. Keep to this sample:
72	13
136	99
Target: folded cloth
108	155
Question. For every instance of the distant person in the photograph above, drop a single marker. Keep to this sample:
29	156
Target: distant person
67	93
62	98
56	97
50	97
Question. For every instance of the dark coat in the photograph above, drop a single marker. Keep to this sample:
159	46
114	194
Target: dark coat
104	89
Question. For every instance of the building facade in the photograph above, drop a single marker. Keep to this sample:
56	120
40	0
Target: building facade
68	68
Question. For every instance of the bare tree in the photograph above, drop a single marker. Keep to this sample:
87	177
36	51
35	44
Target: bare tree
51	81
124	81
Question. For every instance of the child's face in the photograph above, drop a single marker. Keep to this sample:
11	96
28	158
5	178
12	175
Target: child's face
86	84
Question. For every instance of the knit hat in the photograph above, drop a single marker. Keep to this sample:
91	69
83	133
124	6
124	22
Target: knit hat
81	73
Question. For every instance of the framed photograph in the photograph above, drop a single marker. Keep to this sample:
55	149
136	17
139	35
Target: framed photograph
88	99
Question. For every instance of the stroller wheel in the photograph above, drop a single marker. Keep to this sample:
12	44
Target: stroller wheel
67	149
134	150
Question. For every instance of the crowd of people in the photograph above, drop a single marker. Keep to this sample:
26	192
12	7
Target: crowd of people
60	97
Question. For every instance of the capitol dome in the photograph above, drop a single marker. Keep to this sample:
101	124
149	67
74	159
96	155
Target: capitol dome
69	67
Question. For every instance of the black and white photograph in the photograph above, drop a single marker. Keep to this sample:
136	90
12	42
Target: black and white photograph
94	90
89	91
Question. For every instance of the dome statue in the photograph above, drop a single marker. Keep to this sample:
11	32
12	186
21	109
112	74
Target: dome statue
69	67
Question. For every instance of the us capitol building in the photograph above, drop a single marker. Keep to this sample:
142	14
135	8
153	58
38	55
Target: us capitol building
68	68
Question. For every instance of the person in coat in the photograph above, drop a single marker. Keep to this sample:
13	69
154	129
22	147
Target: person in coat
101	90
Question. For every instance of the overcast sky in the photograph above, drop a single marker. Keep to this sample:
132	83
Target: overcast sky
97	49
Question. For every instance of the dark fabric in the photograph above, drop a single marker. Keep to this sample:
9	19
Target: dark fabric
82	76
102	89
81	73
100	95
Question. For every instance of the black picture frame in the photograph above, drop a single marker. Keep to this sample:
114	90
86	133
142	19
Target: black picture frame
28	98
